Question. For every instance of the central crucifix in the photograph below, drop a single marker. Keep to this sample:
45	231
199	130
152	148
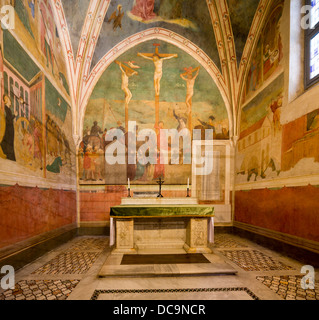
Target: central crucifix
157	59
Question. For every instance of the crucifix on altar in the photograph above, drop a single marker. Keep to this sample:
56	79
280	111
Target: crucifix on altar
158	59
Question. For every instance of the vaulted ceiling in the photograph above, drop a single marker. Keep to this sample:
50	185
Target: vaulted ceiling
220	34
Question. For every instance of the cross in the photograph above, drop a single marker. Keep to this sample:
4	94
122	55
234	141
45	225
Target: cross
160	182
158	59
161	55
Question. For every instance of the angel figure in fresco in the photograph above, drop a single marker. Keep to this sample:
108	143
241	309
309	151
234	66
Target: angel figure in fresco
190	82
117	18
158	63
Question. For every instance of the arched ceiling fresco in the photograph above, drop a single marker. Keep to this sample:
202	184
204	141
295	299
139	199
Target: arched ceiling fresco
188	18
75	12
241	16
223	32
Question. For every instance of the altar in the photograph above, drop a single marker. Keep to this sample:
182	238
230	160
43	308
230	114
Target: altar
157	224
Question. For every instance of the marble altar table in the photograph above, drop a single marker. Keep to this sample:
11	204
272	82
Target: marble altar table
165	223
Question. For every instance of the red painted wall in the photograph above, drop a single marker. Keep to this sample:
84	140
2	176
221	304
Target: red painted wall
27	212
294	210
95	206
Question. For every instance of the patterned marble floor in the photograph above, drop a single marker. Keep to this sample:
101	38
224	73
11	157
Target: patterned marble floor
70	272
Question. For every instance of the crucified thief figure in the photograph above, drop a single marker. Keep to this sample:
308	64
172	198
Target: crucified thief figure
190	82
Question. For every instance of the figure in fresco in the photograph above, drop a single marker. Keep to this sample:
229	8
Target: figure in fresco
253	74
314	124
182	121
207	126
96	130
275	107
144	9
190	82
126	74
81	158
32	7
7	143
2	131
169	11
52	145
117	17
47	35
273	52
24	142
87	164
56	165
157	59
95	164
67	149
93	136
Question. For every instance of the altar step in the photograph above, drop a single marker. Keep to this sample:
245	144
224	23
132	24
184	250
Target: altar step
217	266
168	244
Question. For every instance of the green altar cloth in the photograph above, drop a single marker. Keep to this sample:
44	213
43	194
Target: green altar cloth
152	211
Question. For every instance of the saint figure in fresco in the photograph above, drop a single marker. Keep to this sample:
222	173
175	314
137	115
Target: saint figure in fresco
7	143
144	9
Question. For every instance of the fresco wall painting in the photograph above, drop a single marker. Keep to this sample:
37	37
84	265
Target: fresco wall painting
268	149
35	117
268	55
159	86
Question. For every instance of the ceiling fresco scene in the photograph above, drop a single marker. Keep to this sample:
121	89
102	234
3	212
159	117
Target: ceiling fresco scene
188	18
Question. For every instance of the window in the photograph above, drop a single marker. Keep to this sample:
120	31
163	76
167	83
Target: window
312	45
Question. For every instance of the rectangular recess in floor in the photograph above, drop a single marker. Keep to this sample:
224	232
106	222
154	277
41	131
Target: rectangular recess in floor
129	259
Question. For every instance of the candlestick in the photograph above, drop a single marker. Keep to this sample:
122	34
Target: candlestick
188	183
128	183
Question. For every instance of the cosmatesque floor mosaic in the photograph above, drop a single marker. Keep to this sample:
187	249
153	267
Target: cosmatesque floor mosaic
70	272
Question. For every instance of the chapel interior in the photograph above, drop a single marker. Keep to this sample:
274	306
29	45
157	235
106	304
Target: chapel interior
159	149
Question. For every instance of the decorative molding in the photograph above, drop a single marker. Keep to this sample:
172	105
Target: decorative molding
283	237
298	181
24	180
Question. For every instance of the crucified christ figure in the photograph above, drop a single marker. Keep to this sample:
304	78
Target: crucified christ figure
158	59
